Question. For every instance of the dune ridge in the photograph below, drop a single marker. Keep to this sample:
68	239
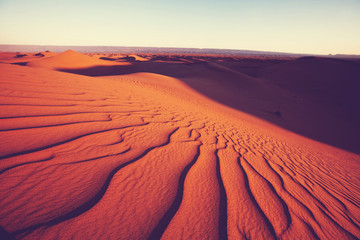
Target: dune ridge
145	156
311	96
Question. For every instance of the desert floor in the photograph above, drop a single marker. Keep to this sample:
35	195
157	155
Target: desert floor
110	146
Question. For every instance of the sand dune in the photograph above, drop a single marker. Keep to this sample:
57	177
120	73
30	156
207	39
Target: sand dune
46	54
138	58
314	97
334	80
22	58
70	60
144	155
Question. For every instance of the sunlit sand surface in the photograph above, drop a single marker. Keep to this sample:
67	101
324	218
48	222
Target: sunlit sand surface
145	155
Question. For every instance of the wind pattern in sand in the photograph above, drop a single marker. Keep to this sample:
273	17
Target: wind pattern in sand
92	158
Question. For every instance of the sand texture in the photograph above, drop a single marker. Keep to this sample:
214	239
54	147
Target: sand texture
147	154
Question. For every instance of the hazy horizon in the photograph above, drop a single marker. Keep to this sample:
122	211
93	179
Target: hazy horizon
306	27
92	48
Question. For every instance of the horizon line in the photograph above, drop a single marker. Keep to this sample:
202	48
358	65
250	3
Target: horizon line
197	48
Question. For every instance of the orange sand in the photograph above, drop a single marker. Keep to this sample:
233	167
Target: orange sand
69	60
145	156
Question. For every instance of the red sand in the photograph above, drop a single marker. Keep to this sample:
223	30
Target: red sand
143	155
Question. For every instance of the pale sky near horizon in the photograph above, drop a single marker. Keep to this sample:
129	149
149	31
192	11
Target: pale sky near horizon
307	26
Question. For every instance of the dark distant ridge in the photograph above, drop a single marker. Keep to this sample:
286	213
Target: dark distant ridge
119	49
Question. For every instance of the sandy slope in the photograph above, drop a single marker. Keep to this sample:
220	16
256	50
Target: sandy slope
144	156
314	97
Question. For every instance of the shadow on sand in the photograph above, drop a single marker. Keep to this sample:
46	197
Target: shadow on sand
313	97
4	235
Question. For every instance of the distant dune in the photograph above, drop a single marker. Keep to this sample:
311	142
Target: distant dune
69	60
138	58
46	54
21	58
182	147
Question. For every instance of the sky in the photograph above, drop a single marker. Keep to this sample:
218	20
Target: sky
301	26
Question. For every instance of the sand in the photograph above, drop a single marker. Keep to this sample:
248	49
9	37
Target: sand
144	155
70	60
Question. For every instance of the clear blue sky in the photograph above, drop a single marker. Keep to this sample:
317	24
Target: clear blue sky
301	26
